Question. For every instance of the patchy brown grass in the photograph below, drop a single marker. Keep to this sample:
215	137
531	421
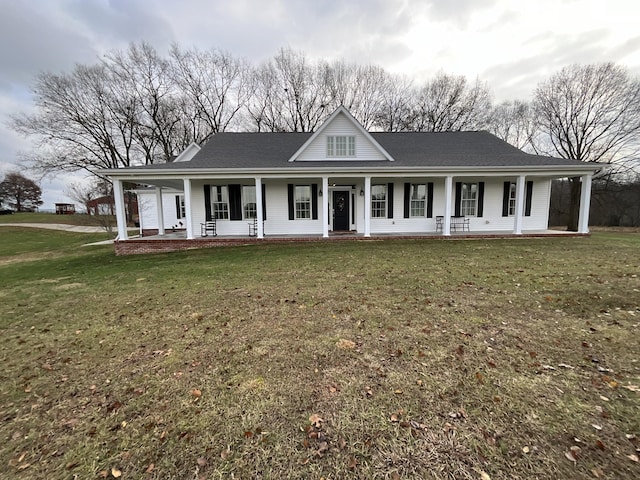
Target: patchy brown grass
395	359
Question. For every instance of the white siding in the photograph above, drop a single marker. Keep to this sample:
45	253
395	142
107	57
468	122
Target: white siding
341	125
278	223
148	210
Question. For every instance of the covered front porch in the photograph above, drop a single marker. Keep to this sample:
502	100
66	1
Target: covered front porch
353	206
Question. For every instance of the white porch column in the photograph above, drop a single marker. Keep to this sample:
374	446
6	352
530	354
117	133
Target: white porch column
187	207
325	206
259	207
121	217
585	203
159	210
448	190
517	222
367	206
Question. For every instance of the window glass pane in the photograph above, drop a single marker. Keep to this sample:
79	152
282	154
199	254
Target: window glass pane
341	146
303	201
220	202
468	201
378	201
512	199
183	212
352	146
418	195
330	148
249	201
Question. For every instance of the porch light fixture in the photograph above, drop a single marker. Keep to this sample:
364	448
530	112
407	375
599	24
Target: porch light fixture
320	192
361	192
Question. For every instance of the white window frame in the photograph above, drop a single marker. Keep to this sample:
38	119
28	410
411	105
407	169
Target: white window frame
341	146
417	202
249	202
220	202
379	205
302	202
469	200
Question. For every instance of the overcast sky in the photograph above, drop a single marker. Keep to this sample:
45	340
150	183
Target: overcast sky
510	44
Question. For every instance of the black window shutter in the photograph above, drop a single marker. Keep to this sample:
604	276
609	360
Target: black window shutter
430	200
264	202
314	201
235	202
458	198
390	200
480	199
291	205
407	200
178	210
505	199
527	201
207	203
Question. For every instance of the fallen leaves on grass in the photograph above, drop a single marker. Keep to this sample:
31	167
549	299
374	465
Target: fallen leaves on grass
116	473
345	344
573	453
316	420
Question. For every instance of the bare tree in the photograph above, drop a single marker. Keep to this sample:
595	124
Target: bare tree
395	104
146	78
513	123
216	87
360	89
449	103
589	113
289	94
78	123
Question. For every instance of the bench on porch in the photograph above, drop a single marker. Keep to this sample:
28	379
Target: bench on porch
208	227
461	223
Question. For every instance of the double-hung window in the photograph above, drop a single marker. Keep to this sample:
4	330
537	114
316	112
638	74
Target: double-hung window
341	146
249	201
220	202
469	200
417	199
302	201
378	201
180	209
512	199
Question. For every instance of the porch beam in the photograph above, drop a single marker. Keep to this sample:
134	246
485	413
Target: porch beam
517	222
160	211
260	225
325	206
121	217
585	203
187	207
367	206
448	192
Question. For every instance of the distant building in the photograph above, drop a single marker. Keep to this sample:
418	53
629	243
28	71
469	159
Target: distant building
106	206
65	209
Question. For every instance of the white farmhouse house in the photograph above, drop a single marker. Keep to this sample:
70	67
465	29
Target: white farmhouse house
342	178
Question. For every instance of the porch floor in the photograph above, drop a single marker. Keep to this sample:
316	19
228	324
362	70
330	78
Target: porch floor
173	241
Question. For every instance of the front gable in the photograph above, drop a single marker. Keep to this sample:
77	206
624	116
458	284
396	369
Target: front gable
341	138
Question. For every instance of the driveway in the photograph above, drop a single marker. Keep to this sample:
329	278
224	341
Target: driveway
58	226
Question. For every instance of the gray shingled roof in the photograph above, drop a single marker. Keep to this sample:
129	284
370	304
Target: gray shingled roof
410	149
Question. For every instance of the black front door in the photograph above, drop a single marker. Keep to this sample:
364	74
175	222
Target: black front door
341	211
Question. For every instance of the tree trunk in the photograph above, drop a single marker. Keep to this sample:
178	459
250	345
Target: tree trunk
574	204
